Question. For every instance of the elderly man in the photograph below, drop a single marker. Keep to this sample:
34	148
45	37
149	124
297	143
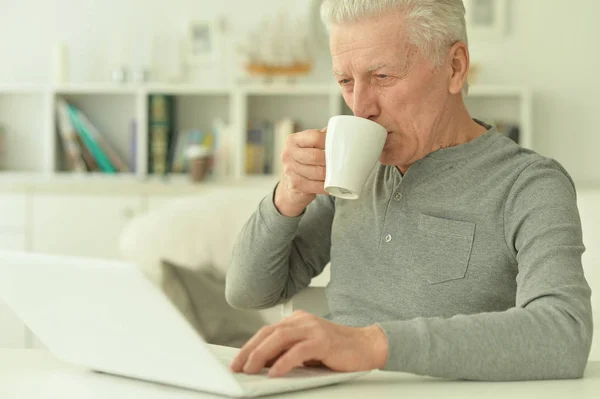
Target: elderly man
461	259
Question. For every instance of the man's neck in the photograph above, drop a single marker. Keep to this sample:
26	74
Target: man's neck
460	130
455	130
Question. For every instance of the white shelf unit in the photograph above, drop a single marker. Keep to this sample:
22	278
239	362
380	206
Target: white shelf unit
508	103
27	113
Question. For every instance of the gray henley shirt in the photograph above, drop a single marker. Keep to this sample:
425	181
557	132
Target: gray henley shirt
470	263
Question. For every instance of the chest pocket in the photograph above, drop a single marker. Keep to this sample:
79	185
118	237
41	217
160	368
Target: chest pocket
442	248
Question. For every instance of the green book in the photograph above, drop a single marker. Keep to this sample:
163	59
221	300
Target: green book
161	127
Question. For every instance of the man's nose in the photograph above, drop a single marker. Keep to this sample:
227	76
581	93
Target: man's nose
364	101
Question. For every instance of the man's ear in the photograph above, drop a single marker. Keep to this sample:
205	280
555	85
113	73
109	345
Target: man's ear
459	67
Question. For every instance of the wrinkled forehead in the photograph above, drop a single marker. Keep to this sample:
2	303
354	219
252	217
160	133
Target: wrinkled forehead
368	43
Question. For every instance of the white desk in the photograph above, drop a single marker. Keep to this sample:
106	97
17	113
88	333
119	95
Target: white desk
36	374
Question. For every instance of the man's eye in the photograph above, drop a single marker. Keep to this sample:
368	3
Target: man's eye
343	82
381	76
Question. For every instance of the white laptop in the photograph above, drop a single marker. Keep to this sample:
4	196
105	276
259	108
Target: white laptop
107	316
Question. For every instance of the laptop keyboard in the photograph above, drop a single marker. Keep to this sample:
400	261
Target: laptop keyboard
299	378
301	372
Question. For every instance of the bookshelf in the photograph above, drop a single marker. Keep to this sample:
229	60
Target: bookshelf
32	145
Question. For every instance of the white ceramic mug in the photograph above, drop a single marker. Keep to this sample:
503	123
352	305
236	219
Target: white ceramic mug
352	147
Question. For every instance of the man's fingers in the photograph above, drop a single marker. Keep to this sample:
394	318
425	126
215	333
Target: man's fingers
237	365
309	139
307	156
299	183
313	363
310	172
273	346
302	352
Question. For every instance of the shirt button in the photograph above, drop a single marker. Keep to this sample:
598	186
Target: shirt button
388	238
398	197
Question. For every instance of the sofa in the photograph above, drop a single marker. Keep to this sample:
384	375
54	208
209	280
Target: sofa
184	247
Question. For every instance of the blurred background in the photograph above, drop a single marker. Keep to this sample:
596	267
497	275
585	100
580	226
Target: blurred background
126	127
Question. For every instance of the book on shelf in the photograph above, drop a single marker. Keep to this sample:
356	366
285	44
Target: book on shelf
89	142
85	148
269	148
2	146
222	149
161	127
133	143
171	151
104	145
69	138
88	158
178	159
255	149
265	144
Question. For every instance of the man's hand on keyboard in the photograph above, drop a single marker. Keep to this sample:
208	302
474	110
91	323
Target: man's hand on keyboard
303	339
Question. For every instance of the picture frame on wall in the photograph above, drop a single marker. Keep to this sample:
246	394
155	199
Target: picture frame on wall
201	42
486	19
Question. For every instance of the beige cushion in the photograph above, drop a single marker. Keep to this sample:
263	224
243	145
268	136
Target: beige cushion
200	296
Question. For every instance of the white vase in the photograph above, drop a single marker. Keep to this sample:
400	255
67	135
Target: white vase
60	67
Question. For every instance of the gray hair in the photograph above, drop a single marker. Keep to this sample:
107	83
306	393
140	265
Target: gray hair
433	25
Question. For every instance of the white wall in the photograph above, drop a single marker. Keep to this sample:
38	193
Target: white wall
93	28
551	46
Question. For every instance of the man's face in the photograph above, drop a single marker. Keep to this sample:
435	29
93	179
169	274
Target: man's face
387	80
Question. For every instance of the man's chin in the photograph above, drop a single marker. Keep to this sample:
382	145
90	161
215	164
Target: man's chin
386	159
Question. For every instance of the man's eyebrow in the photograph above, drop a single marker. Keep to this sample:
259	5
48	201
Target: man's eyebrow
376	67
369	70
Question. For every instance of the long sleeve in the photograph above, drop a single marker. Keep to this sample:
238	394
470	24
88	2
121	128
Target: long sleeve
276	256
548	333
